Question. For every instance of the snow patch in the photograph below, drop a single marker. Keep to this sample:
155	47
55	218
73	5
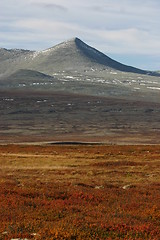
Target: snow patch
70	77
22	85
142	84
154	88
8	99
41	101
114	73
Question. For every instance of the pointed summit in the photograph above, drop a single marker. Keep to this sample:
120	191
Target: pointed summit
72	55
76	55
74	39
102	59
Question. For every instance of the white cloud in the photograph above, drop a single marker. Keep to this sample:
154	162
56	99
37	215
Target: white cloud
129	40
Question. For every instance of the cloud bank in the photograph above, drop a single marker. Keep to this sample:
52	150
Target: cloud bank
125	28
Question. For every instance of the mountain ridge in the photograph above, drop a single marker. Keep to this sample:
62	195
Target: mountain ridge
105	60
75	67
97	56
60	57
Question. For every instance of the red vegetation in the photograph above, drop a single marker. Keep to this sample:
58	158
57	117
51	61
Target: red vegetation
83	199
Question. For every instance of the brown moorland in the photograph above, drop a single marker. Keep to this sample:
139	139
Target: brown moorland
79	192
42	116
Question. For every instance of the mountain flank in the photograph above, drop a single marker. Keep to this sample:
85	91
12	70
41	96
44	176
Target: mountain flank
75	67
76	55
72	55
101	58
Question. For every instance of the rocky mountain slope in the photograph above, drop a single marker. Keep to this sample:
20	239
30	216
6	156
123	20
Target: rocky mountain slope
72	55
75	67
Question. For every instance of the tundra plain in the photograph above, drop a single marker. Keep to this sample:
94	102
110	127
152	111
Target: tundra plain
79	191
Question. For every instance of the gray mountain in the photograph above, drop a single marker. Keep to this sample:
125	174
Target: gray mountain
12	54
75	55
75	67
11	60
72	55
98	57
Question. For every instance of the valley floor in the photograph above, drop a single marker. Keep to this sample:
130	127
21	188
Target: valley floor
40	116
79	192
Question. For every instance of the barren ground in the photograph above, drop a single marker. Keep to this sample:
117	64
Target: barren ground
37	116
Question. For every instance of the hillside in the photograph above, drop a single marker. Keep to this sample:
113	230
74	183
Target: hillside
75	55
26	78
75	67
73	92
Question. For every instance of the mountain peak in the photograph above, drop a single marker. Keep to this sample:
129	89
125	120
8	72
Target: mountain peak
74	39
72	55
67	53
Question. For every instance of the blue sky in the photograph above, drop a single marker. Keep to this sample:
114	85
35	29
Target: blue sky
126	30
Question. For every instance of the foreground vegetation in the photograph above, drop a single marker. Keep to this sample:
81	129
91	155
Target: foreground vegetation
79	192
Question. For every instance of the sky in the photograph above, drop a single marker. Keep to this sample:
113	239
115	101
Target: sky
126	30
